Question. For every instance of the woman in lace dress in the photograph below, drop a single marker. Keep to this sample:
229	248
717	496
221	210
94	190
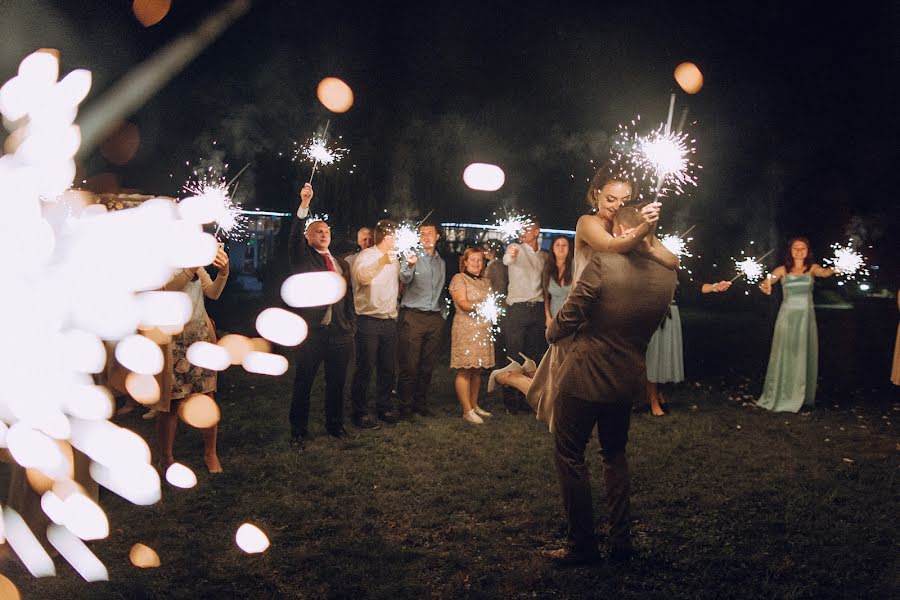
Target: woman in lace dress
471	343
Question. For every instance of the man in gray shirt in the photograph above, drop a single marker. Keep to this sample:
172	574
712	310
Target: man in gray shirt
421	322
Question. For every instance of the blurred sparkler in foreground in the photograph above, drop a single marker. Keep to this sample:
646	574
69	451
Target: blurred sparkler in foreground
847	262
316	149
61	309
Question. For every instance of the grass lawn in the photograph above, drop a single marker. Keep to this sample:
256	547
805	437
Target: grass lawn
728	501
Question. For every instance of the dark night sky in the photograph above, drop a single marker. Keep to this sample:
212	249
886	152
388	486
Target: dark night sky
793	125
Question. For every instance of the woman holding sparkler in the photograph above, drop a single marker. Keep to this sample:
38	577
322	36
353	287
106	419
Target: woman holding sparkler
471	339
794	359
557	277
190	380
608	192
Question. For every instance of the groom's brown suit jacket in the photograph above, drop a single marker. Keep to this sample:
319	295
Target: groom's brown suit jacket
613	310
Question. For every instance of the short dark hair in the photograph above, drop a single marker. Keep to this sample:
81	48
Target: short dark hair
430	223
629	216
384	228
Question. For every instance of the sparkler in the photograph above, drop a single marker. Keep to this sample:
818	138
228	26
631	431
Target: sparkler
847	262
488	312
313	218
677	244
750	267
512	226
316	149
661	158
211	195
407	239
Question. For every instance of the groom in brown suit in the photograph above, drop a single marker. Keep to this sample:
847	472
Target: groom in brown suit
612	311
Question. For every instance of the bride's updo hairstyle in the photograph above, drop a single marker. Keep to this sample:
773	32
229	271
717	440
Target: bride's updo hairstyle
607	172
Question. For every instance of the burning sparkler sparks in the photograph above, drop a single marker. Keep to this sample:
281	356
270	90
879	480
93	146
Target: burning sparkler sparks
750	268
847	262
210	201
511	227
407	240
661	158
314	218
317	151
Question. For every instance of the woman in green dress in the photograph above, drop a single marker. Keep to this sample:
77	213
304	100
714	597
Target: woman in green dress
794	359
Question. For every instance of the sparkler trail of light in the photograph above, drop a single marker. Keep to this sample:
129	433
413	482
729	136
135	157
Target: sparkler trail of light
407	240
511	227
317	150
750	268
847	262
212	193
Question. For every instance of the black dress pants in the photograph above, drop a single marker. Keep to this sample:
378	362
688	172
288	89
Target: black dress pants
323	344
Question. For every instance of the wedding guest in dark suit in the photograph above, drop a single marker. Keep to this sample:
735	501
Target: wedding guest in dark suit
331	327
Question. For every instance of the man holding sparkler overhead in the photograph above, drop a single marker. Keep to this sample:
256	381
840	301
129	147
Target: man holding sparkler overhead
376	285
331	328
524	323
421	321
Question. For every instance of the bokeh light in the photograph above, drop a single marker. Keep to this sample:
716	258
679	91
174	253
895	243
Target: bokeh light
150	12
143	557
281	326
237	346
335	95
265	363
484	177
689	77
251	539
313	289
143	388
199	411
180	476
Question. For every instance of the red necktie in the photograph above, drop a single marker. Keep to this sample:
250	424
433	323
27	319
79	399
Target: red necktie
328	262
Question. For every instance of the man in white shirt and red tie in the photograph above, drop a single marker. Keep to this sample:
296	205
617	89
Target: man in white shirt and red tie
331	327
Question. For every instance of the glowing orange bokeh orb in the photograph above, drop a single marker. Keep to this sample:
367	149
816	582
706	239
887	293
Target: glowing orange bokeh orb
689	77
8	590
199	411
335	94
143	557
150	12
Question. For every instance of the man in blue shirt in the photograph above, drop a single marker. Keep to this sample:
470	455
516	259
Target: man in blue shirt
420	322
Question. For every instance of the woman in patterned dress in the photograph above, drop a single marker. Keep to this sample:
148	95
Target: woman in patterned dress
190	380
471	343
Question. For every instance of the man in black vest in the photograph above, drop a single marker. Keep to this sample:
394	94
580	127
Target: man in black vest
331	328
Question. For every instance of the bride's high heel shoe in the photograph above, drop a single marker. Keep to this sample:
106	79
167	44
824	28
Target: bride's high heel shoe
528	366
512	367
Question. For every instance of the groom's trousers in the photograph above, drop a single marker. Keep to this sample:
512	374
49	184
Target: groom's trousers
574	421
